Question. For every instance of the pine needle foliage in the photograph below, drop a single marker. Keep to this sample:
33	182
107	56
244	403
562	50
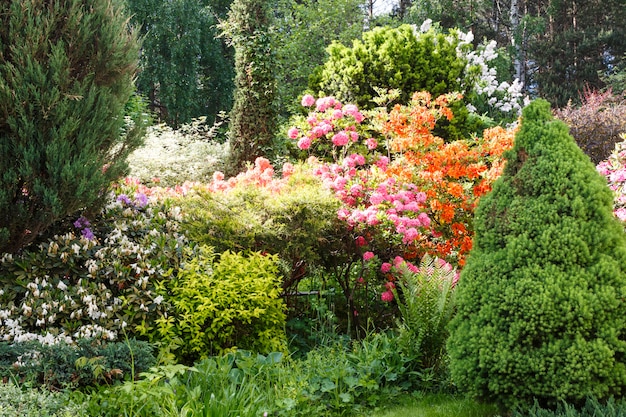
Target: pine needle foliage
541	312
66	73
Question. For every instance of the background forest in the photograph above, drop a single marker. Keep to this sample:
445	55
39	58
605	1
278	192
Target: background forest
556	48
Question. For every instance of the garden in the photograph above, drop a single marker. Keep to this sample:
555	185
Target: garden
443	246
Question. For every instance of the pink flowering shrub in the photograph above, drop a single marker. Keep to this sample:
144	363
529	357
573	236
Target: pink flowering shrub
404	191
614	169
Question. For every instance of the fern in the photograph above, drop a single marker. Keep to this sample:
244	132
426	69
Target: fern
426	304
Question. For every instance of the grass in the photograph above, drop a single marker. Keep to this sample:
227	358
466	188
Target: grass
436	405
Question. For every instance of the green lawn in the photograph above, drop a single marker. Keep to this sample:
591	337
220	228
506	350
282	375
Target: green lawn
436	406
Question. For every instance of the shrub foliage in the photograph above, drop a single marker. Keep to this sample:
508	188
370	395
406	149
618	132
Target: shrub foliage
540	300
66	73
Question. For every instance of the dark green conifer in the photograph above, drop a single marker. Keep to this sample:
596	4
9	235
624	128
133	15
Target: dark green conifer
541	311
66	73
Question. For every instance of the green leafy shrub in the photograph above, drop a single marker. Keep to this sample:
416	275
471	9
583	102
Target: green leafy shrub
596	124
28	402
87	363
232	302
93	280
70	66
540	300
296	221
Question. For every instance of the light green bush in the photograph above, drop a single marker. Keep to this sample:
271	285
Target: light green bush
541	312
218	305
298	222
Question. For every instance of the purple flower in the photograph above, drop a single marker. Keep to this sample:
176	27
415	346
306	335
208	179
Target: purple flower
81	222
141	199
87	233
123	198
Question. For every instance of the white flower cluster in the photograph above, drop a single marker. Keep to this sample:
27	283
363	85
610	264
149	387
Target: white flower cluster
502	96
176	156
73	287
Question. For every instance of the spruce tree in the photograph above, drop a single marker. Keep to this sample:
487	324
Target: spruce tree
66	73
541	312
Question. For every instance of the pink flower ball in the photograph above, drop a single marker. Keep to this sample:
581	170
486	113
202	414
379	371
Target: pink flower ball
360	241
371	144
390	285
293	133
368	255
387	296
308	100
304	143
385	267
424	219
340	139
337	114
287	169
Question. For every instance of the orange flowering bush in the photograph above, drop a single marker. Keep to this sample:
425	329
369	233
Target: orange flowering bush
453	175
420	197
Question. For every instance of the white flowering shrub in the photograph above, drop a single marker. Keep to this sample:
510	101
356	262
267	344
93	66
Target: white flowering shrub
96	281
172	157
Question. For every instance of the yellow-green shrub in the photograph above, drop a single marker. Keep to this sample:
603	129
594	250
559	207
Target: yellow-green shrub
218	305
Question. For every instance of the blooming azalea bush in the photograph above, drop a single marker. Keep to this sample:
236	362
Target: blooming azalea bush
97	280
404	191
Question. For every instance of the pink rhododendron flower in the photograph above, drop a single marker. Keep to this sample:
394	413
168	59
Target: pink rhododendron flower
304	143
293	133
340	139
343	214
382	162
410	235
218	176
385	267
312	120
424	219
337	114
371	144
390	285
287	170
308	100
360	241
368	255
387	296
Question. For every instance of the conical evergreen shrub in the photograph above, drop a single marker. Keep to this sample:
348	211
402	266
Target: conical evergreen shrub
66	73
541	301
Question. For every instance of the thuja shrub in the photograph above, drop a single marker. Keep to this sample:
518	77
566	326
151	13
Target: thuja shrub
222	304
66	74
540	300
597	123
